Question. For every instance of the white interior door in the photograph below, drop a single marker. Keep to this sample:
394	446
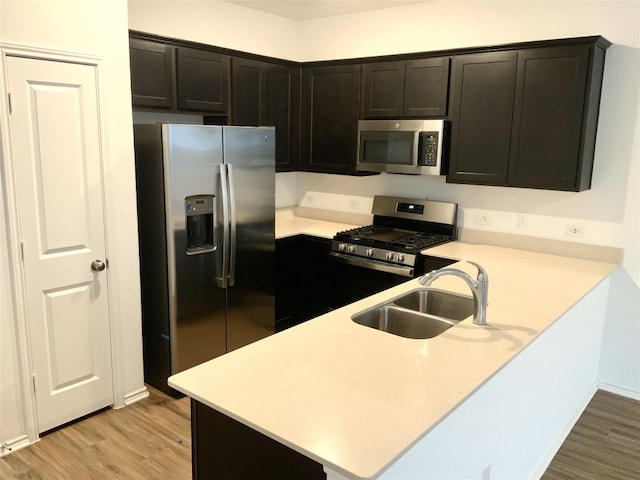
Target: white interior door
55	131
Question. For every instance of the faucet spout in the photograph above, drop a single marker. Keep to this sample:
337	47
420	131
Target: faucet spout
479	288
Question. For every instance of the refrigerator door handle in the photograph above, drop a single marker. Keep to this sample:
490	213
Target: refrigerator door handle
232	219
225	226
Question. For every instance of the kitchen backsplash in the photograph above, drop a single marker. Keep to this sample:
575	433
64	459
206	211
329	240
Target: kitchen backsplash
566	229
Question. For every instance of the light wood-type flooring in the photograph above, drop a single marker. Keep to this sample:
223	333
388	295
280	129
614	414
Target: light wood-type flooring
150	440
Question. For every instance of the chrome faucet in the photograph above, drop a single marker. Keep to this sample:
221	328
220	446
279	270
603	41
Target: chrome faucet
479	288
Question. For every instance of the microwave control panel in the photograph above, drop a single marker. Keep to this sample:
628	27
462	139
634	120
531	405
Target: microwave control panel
428	149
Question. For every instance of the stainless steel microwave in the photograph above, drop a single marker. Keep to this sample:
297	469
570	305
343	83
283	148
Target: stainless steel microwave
402	146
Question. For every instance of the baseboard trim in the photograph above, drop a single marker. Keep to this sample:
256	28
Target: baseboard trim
13	445
625	392
553	448
136	396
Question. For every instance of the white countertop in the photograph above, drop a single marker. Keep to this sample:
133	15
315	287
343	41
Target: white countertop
289	224
354	398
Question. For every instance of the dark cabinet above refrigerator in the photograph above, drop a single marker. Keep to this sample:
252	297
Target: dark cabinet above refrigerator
266	93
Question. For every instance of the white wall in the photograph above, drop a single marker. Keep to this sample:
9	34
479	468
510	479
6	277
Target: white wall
610	210
443	24
219	23
98	28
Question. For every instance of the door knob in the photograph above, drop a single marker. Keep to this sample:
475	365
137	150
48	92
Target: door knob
97	266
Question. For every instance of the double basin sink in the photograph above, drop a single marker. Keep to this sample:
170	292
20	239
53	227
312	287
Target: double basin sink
421	313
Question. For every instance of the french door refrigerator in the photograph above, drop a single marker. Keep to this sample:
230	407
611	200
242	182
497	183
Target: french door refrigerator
206	215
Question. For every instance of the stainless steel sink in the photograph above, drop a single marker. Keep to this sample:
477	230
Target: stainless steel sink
421	313
437	302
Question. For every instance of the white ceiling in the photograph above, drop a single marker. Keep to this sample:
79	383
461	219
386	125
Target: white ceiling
307	9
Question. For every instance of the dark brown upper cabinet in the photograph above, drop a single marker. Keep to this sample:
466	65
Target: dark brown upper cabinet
152	74
521	115
481	112
382	90
265	93
202	80
174	78
528	117
331	105
248	92
555	117
405	89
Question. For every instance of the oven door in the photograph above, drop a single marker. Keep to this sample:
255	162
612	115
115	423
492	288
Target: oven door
355	278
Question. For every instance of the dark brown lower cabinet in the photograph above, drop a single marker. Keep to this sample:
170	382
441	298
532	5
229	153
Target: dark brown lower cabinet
303	279
225	449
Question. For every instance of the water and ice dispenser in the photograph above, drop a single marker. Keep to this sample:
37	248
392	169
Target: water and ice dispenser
199	211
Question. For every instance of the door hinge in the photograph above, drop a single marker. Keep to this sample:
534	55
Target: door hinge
10	107
33	382
22	250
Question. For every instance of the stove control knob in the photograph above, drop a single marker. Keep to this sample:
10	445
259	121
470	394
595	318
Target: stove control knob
389	256
369	252
400	257
351	248
342	247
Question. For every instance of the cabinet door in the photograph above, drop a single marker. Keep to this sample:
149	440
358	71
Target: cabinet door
303	279
287	282
331	109
382	89
548	113
426	84
202	80
152	66
482	91
248	83
282	110
314	278
223	448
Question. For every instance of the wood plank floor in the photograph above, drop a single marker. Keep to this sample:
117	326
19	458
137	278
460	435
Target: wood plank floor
603	444
151	440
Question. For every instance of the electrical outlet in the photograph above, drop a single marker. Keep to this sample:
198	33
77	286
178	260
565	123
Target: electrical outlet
483	219
574	231
353	204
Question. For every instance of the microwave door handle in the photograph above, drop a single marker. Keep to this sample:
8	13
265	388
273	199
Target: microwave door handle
416	148
224	190
232	222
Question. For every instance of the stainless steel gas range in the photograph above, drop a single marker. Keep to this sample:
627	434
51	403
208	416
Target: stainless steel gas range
388	252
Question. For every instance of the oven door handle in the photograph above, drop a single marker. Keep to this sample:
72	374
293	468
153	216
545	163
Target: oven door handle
403	271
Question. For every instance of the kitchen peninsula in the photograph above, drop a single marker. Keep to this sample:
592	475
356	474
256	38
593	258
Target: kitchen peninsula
472	402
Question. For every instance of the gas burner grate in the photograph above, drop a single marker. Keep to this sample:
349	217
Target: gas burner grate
420	241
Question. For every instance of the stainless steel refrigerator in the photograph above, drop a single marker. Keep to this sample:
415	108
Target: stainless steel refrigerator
206	214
